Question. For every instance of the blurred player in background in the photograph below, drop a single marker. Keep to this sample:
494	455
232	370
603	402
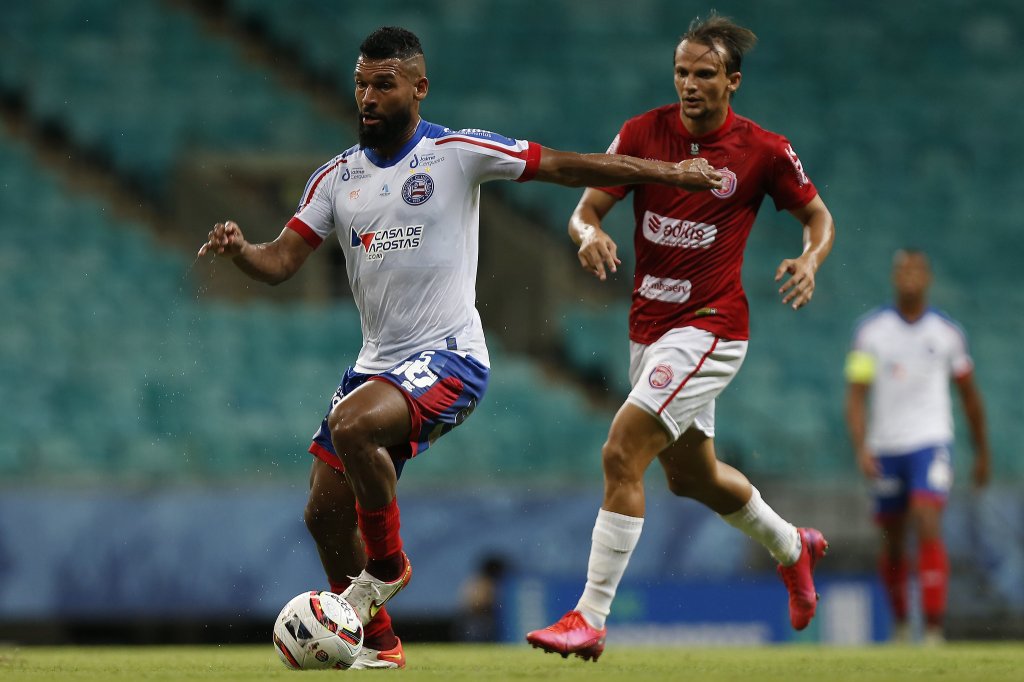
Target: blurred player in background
688	324
404	203
479	602
900	418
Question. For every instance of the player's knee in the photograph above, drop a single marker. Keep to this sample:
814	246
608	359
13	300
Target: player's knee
347	428
618	462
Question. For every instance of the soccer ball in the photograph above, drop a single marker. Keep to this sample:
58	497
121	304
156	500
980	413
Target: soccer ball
318	630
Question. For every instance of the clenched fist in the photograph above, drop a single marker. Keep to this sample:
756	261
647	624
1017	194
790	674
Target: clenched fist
225	239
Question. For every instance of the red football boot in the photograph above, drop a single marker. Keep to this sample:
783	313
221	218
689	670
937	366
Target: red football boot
570	635
799	578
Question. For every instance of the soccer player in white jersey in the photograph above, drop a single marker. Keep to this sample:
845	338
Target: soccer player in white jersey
900	419
404	203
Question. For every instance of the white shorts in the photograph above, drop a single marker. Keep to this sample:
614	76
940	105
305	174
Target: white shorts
678	377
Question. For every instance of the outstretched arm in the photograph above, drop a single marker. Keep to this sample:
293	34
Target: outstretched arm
271	262
597	250
819	232
975	411
602	170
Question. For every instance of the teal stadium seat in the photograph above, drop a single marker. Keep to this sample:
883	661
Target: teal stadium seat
141	84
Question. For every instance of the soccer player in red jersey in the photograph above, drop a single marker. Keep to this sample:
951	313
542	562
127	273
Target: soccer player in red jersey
688	324
410	241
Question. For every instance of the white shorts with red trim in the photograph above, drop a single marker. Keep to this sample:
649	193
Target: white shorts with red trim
678	377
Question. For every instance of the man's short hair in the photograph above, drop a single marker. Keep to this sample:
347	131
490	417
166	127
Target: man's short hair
391	42
722	32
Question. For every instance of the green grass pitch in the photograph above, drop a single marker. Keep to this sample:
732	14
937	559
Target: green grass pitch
457	663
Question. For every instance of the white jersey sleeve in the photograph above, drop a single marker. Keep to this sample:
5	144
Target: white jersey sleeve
485	156
960	362
314	216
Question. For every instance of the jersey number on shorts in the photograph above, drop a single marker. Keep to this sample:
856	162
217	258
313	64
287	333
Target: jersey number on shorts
416	373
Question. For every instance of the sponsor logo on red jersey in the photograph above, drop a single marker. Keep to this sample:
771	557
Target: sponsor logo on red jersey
665	289
683	234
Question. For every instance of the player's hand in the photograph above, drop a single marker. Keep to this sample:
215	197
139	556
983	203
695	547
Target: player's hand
799	288
225	239
868	464
597	253
698	175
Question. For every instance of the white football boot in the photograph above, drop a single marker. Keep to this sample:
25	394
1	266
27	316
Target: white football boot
377	659
367	594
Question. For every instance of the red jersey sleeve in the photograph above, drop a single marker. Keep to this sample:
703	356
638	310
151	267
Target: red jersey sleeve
788	184
622	144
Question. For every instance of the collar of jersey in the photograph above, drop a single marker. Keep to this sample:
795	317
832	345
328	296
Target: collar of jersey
707	137
424	129
928	310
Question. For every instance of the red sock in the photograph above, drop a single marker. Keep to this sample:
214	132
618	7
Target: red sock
379	528
894	578
378	633
933	568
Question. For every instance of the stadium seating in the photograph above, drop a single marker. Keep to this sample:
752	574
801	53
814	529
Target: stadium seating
138	85
897	157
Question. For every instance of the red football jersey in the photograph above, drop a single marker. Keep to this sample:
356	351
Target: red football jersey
689	245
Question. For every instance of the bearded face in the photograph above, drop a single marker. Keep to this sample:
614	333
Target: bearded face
377	130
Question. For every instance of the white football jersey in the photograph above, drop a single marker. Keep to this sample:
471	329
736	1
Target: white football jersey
909	367
409	229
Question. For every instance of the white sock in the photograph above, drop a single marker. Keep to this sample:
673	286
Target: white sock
614	538
761	523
